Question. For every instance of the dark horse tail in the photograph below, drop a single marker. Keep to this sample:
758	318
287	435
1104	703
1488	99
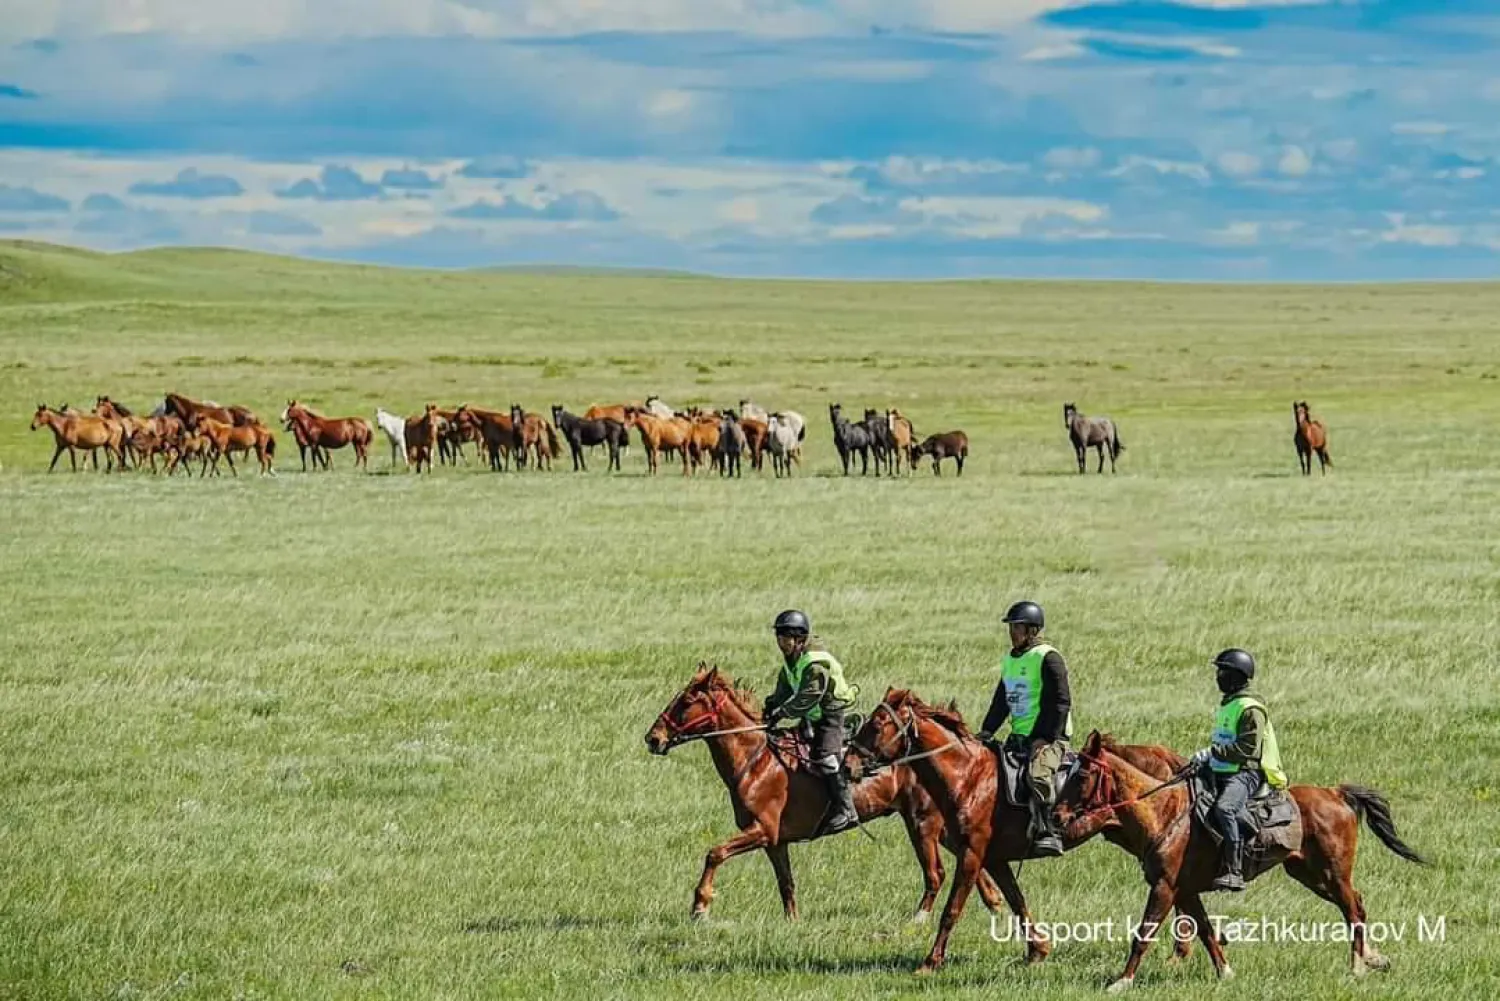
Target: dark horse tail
1369	804
270	444
1117	446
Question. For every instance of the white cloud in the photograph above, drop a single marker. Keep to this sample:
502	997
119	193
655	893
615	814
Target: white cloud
1048	53
1240	233
1072	158
741	210
1237	164
1421	129
1294	162
669	103
1183	168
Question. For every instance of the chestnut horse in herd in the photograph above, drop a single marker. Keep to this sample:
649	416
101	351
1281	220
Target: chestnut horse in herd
331	432
961	775
227	439
1107	794
1310	436
421	437
190	410
74	432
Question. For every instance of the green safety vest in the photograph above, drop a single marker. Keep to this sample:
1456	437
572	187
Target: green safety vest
1022	677
841	690
1226	731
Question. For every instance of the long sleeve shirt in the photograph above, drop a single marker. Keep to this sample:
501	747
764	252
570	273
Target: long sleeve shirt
1056	700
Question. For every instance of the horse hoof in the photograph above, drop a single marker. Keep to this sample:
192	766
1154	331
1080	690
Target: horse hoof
927	969
1037	953
1375	961
1120	986
1226	972
921	917
699	915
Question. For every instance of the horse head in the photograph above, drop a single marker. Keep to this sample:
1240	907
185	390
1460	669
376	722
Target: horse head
42	416
1088	793
1069	413
693	711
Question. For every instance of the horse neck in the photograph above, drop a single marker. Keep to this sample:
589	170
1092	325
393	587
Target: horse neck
732	752
944	776
1142	823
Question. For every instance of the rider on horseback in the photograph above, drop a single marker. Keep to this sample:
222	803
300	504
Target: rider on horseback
1243	754
1033	692
811	689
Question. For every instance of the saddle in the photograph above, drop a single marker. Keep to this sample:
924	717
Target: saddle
1015	778
1271	822
792	749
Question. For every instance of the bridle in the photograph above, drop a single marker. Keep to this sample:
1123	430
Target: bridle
906	729
689	729
1106	787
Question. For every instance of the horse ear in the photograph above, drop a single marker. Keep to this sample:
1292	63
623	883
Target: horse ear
1094	744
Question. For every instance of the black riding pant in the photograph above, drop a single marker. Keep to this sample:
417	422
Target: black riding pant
1234	792
825	739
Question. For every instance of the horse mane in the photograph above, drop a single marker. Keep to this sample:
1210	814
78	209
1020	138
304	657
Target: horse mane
742	695
946	716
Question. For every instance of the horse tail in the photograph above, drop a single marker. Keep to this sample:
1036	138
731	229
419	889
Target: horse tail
270	443
1369	804
802	432
1116	445
552	446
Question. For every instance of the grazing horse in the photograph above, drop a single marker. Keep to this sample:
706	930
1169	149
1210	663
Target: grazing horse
903	437
1310	436
948	445
849	439
1106	794
704	431
657	436
451	438
1098	433
757	434
333	432
619	413
190	410
421	434
226	439
582	433
732	444
881	440
784	444
492	429
74	432
656	408
777	801
395	432
535	435
304	440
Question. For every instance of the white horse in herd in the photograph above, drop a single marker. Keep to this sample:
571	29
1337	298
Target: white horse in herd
395	432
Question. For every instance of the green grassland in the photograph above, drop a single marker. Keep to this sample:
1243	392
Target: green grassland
380	736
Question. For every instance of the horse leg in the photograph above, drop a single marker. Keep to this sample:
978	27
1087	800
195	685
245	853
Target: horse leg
747	840
1158	903
229	458
924	841
1100	449
958	460
58	455
1333	881
1192	905
969	865
781	861
1037	945
1082	461
1323	461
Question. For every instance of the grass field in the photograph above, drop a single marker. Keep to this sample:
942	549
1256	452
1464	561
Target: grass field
350	736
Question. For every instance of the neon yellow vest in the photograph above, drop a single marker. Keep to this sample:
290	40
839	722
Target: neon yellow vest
841	690
1226	731
1022	677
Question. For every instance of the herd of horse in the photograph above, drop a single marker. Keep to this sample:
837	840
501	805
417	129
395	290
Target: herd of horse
181	431
922	762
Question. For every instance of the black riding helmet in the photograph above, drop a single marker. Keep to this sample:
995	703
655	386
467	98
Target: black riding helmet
1027	613
792	623
1235	659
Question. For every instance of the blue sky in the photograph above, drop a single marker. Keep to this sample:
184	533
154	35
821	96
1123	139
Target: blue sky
850	138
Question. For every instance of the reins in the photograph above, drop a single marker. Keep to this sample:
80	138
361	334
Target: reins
1181	777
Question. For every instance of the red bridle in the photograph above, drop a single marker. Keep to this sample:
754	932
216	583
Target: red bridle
689	727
